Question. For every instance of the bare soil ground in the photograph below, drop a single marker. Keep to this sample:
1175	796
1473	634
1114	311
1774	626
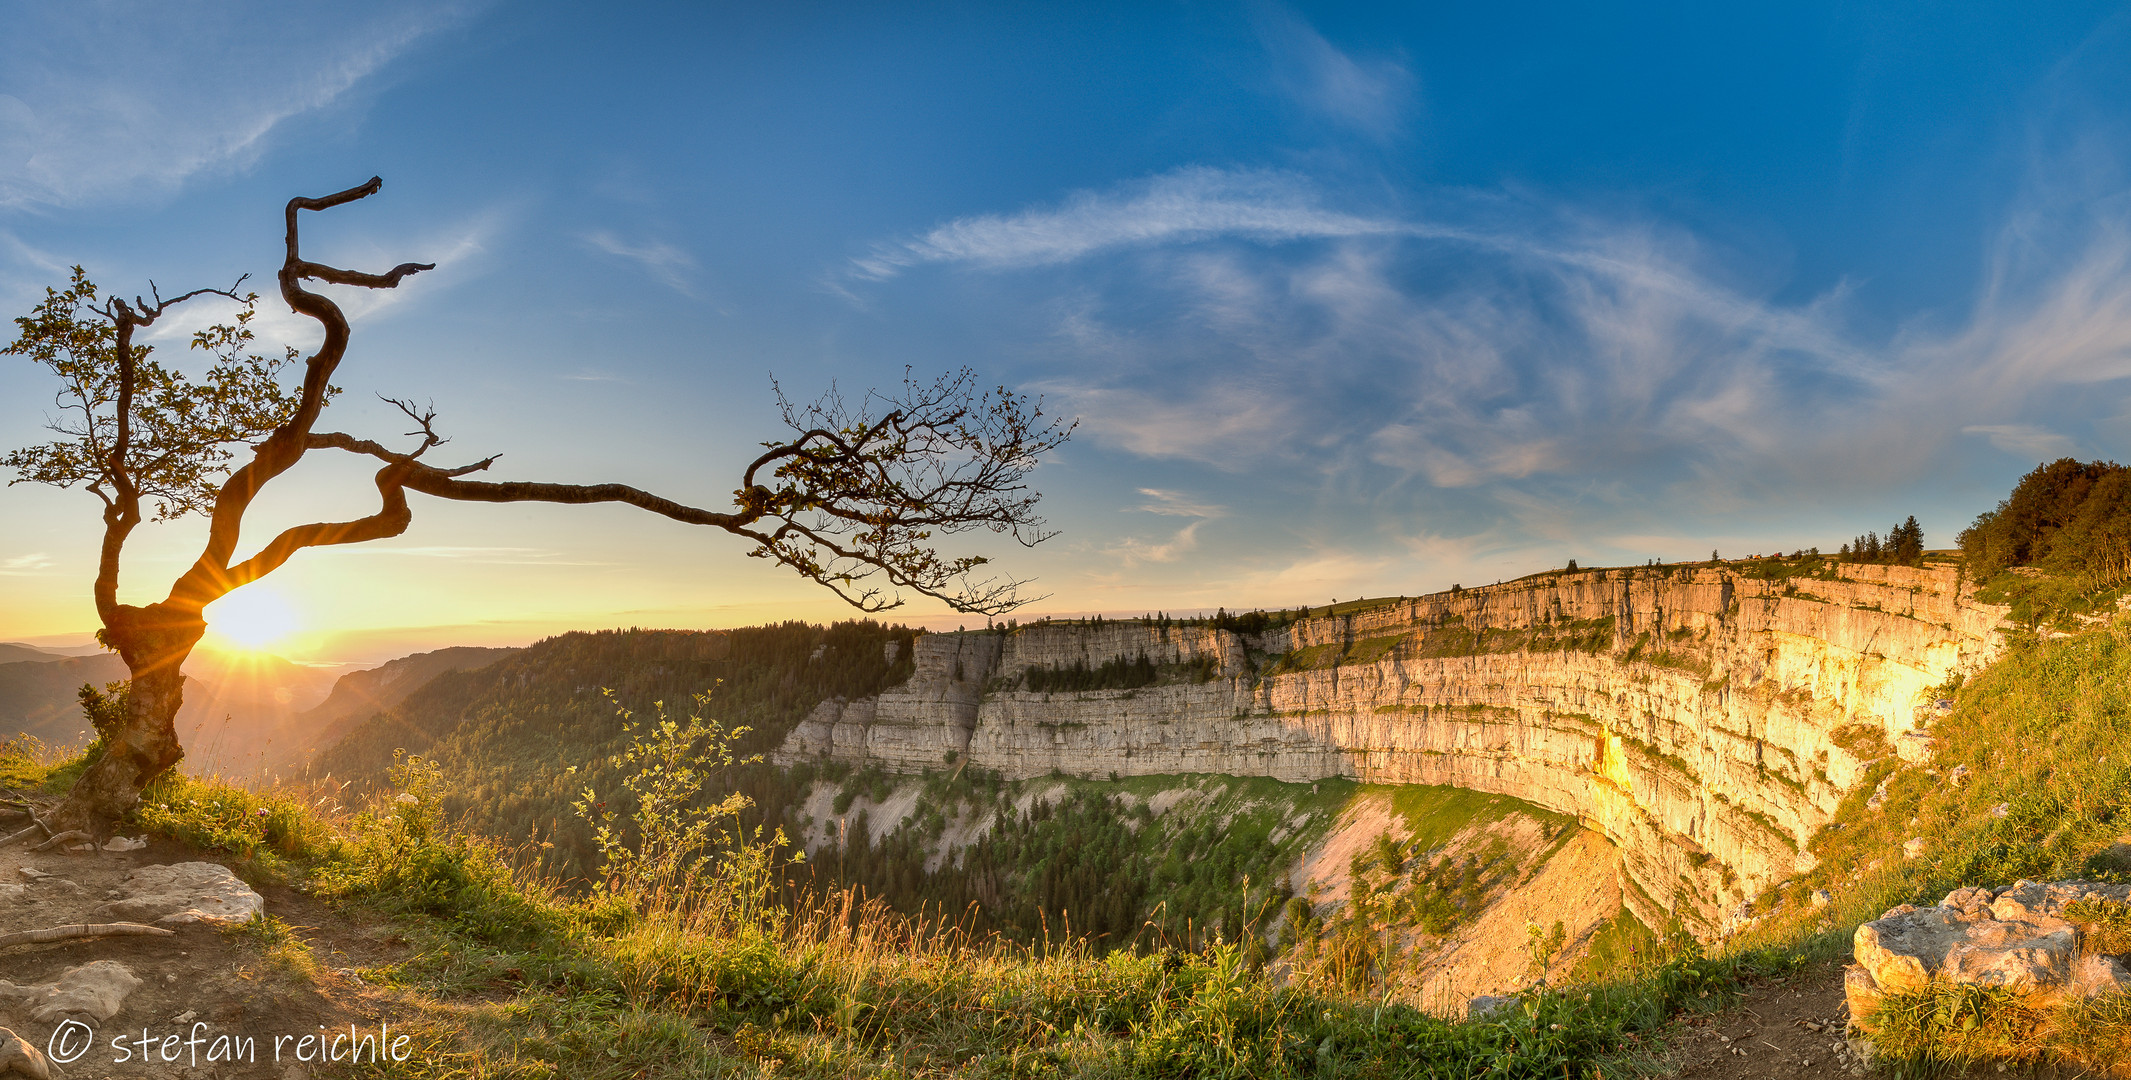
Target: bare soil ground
1786	1028
231	980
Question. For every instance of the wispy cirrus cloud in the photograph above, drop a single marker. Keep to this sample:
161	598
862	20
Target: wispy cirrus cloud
669	264
122	102
1189	204
36	562
1371	95
2025	440
1135	551
1243	319
1177	504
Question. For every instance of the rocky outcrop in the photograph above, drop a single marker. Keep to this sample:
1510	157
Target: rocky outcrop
1706	721
2026	937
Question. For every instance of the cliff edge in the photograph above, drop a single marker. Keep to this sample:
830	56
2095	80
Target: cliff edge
1706	719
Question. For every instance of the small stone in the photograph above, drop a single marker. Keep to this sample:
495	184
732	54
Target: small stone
19	1058
1915	747
1913	848
1486	1005
124	843
1822	898
2001	810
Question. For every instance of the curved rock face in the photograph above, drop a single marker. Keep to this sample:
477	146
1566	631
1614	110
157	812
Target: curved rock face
1706	721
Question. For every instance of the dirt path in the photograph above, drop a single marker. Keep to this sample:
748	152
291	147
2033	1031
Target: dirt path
1793	1027
1786	1028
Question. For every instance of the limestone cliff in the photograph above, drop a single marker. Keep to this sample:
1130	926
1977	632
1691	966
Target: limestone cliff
1705	720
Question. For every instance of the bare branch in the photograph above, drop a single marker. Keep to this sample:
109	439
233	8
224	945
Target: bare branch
858	495
390	279
83	930
425	420
61	838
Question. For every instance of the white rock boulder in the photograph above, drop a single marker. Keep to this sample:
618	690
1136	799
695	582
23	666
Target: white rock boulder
97	989
1915	747
2015	937
192	892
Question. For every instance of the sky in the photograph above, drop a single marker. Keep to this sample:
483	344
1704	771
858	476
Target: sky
1347	300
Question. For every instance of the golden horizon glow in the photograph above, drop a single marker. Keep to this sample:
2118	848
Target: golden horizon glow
255	618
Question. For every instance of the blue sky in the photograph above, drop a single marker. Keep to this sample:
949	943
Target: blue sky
1348	301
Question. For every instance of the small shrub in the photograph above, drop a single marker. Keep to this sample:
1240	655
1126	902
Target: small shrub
2105	925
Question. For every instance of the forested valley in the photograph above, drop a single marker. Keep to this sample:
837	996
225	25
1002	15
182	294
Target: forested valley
517	743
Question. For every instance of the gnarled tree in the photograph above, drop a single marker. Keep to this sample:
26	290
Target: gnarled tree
853	497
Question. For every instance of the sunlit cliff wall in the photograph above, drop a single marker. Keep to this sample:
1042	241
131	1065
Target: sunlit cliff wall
1706	722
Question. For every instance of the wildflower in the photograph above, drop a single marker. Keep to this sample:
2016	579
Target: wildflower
405	798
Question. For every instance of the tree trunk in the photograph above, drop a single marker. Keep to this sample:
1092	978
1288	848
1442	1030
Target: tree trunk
155	642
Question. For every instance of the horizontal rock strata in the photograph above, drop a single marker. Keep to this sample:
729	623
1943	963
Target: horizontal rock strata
1706	721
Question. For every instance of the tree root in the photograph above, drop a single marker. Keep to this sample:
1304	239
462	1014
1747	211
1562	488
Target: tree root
83	930
61	838
24	834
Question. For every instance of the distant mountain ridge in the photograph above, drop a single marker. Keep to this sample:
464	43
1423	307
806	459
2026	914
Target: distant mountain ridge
15	652
236	705
38	696
245	715
359	695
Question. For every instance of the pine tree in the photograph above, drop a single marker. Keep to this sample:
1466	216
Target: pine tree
1906	543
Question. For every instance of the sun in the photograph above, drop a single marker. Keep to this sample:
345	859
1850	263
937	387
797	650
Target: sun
255	617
